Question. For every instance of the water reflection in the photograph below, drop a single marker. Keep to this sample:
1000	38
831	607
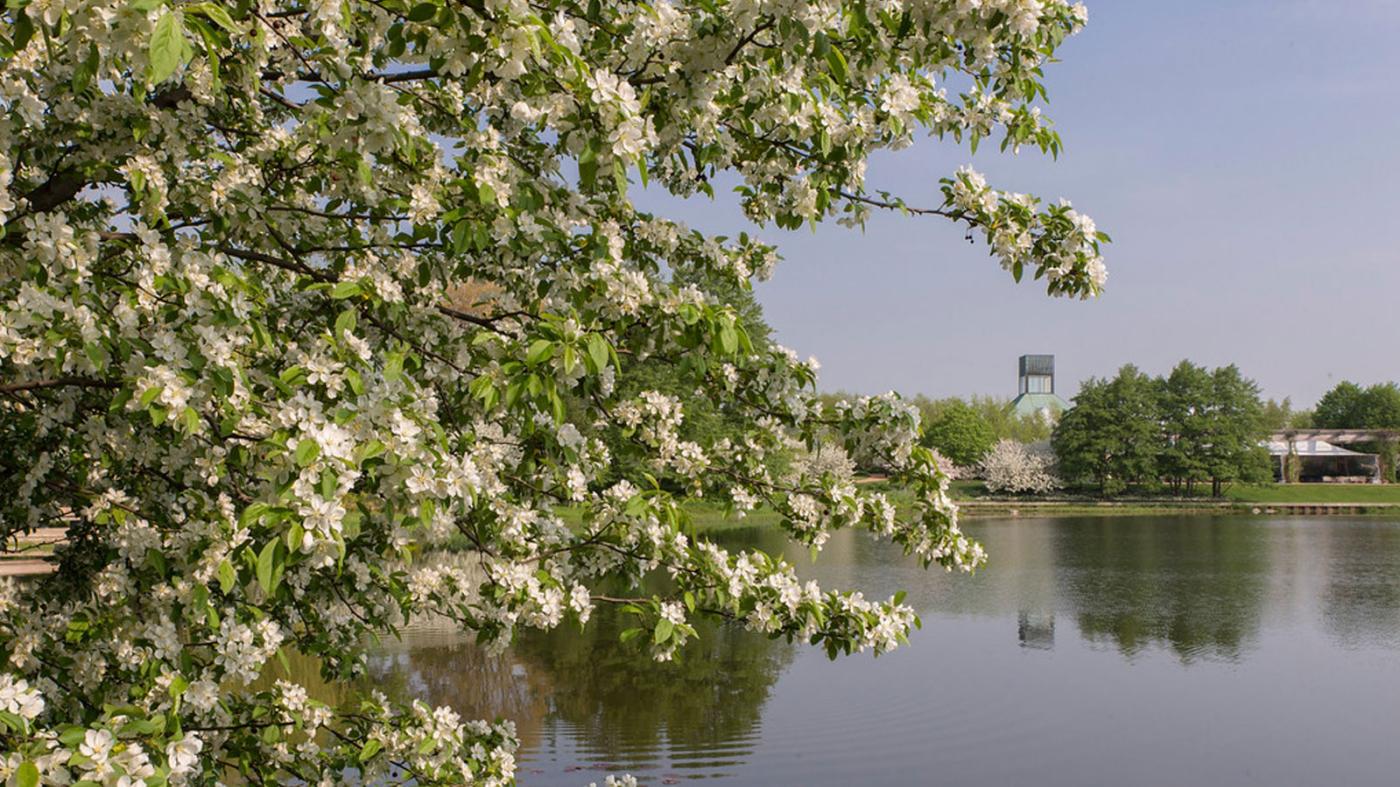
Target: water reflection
1036	630
1087	650
1361	602
584	702
1189	584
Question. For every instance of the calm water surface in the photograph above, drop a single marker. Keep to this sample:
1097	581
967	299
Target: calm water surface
1124	651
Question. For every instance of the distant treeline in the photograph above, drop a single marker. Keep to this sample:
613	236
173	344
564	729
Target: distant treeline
1196	425
965	430
1191	426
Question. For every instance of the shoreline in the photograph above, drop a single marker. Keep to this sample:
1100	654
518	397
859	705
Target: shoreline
983	509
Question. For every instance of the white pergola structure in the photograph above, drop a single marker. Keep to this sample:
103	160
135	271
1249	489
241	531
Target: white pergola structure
1327	443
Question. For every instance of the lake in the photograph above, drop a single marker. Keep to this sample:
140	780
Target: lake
1090	651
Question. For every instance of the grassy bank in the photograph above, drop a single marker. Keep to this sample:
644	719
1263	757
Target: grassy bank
976	502
1321	494
1317	493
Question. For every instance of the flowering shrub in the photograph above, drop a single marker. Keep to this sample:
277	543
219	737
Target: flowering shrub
236	365
1016	468
825	460
945	466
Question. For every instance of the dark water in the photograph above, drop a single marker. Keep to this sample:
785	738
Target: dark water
1124	651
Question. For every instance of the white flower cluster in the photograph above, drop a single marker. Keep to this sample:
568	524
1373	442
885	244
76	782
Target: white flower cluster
1060	245
17	697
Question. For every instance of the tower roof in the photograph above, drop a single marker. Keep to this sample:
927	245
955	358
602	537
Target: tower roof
1032	403
1037	364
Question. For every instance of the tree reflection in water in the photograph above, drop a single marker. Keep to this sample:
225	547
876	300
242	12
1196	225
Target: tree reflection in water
1188	584
1198	590
608	701
1361	599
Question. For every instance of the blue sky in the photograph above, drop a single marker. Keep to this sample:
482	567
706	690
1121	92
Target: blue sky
1245	157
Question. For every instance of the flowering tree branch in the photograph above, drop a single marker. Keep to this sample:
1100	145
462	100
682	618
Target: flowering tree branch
233	236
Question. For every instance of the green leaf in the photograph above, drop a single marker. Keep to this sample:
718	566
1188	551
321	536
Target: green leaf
190	420
729	339
267	563
370	450
253	513
664	630
216	13
540	351
345	322
83	74
295	534
350	525
461	236
72	735
393	367
24	30
837	62
27	775
168	46
630	634
345	289
598	351
307	452
228	577
97	354
371	747
422	13
588	173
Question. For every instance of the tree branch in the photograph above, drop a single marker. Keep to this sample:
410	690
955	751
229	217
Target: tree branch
58	382
63	186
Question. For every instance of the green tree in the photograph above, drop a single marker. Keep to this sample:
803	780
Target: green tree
1112	435
1280	415
1349	406
1183	403
1383	406
1232	449
1343	407
1007	424
995	410
960	433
